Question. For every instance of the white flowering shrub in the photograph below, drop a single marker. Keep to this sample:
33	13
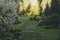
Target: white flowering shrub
8	16
8	13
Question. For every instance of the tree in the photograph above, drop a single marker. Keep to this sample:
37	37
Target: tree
8	16
46	12
52	15
54	20
54	7
7	12
40	1
28	8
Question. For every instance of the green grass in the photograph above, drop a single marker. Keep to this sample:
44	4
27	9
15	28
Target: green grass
38	33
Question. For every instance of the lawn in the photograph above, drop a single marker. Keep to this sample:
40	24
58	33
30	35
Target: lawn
30	30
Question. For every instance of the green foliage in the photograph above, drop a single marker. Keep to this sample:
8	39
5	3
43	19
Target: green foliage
28	9
39	33
51	21
54	7
41	14
46	12
25	12
35	17
54	19
40	1
52	14
10	34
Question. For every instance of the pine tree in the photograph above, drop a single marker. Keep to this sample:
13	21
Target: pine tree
46	12
54	6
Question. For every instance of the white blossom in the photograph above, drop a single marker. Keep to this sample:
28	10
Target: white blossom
8	10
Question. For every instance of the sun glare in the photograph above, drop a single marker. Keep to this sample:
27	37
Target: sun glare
33	2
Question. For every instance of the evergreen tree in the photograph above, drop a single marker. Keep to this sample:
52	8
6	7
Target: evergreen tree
54	6
46	12
52	15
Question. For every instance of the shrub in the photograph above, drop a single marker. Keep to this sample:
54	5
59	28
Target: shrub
8	10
